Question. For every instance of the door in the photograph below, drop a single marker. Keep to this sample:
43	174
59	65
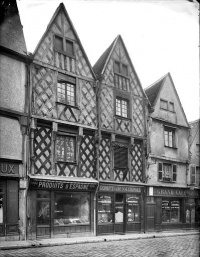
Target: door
2	226
119	213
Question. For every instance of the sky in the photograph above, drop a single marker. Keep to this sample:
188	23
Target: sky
161	36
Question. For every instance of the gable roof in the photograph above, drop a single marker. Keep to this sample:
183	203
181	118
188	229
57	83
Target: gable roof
153	90
62	7
11	31
102	62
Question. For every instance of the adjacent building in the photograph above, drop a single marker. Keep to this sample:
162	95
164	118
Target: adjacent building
122	111
14	87
168	194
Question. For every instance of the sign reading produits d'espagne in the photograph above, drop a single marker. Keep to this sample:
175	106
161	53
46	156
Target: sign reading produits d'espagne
62	185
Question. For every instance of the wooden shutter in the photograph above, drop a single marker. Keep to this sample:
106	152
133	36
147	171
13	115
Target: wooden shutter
174	173
69	47
160	171
192	174
58	43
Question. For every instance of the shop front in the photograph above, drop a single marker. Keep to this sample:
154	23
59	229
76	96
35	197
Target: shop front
60	207
9	200
119	209
171	208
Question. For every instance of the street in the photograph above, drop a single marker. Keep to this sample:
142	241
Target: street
177	246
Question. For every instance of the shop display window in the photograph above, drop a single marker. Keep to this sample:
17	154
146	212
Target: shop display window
105	209
71	208
43	213
133	214
190	211
171	210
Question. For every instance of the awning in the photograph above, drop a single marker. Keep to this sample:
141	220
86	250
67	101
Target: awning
62	183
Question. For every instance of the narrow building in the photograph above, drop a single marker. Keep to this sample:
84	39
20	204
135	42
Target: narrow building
14	86
168	159
122	110
62	174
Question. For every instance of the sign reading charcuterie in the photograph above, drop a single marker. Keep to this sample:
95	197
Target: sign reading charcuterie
9	169
62	185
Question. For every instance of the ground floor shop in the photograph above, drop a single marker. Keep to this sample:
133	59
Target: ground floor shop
171	208
60	208
120	209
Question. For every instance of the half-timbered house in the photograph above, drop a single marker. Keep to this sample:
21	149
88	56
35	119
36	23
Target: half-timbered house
63	123
13	124
168	195
122	110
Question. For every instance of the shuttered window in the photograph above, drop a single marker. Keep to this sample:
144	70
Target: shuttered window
192	174
167	172
63	46
120	157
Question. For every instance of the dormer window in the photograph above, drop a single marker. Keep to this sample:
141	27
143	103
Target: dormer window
63	45
121	78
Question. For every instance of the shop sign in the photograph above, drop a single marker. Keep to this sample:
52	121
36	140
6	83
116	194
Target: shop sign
9	169
193	193
169	192
62	185
119	188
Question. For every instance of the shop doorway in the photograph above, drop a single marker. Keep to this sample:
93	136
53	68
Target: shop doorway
2	230
119	213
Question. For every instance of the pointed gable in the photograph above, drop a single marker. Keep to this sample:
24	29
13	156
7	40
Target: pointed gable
60	46
11	31
163	96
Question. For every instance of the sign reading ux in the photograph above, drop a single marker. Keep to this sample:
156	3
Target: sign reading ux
10	169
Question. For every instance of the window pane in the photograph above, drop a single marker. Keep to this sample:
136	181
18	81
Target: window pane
167	168
69	47
169	137
61	92
124	70
117	67
120	157
124	109
60	148
58	43
175	211
166	138
171	106
70	148
70	94
105	208
118	107
133	208
72	208
43	213
163	104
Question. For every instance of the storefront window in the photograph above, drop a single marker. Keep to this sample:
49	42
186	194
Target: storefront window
105	209
190	211
132	208
171	210
71	208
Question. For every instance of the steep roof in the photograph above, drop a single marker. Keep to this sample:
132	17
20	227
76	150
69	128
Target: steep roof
153	90
11	31
99	65
62	7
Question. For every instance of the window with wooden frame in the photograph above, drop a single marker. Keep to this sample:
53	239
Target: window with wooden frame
66	90
166	105
194	175
121	76
63	45
122	107
120	155
121	68
65	148
169	134
167	172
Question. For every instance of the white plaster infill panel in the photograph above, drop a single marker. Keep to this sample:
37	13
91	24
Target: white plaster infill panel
10	138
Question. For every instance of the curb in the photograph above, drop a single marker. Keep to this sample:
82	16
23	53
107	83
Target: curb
36	244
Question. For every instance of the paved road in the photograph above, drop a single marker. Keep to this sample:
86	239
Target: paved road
179	246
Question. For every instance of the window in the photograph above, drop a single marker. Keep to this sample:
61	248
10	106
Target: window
121	68
65	148
171	210
190	211
66	90
194	175
122	107
71	209
64	46
167	172
120	156
169	137
164	104
197	148
105	208
133	212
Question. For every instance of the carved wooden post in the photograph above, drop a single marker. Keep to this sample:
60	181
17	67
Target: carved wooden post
32	156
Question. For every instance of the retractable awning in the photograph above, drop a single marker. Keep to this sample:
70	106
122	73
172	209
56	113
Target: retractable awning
62	183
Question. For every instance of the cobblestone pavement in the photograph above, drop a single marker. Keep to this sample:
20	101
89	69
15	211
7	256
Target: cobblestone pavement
178	246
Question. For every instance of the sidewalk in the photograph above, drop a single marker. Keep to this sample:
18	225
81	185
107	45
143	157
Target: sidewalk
4	245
